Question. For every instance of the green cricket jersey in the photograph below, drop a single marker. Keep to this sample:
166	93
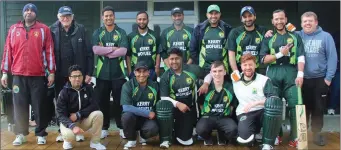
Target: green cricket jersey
110	68
218	103
172	37
143	48
213	48
140	97
242	41
272	45
181	87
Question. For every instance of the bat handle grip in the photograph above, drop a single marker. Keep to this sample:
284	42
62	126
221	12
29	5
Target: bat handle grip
299	95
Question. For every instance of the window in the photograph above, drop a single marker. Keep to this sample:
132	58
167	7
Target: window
164	26
128	27
164	8
126	9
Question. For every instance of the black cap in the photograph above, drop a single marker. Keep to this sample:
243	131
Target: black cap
177	10
65	10
141	65
248	9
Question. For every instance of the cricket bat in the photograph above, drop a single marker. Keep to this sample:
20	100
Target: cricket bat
302	131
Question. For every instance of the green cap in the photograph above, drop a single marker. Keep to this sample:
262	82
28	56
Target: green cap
213	8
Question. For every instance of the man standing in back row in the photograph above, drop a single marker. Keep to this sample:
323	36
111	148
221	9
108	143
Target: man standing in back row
110	43
321	65
27	53
178	35
209	40
284	52
245	39
143	46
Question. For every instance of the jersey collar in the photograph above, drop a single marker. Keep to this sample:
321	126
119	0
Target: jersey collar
253	78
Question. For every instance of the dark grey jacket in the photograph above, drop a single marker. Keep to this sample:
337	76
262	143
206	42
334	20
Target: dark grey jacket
81	45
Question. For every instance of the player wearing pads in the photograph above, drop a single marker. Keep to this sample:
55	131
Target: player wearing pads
177	89
259	105
284	52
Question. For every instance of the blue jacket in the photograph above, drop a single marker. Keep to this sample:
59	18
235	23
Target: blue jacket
320	54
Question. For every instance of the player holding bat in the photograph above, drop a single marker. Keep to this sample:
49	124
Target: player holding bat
284	52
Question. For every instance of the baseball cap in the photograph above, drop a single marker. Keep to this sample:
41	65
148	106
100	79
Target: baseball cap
213	8
141	65
177	10
248	9
65	10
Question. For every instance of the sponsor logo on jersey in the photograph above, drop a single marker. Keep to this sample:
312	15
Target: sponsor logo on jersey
257	40
254	91
115	37
225	98
189	80
150	41
185	36
290	40
221	34
150	95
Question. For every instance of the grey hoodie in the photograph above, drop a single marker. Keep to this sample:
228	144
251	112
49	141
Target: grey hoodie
320	54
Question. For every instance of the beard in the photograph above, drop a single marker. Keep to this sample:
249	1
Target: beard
278	29
178	22
141	27
249	25
249	74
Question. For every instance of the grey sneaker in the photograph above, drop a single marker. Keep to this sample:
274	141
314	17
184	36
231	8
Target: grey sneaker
319	139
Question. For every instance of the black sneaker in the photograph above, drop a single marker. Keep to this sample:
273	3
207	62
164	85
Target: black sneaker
221	140
208	142
319	139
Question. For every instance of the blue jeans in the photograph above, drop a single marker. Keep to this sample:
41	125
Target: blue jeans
335	91
152	75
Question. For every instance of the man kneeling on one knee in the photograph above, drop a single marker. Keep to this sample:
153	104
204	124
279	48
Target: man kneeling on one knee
259	105
78	111
138	98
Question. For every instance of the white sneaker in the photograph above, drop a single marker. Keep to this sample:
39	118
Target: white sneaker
278	140
142	140
97	146
331	112
104	134
79	137
122	134
267	147
41	140
164	144
67	145
130	144
20	139
59	138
